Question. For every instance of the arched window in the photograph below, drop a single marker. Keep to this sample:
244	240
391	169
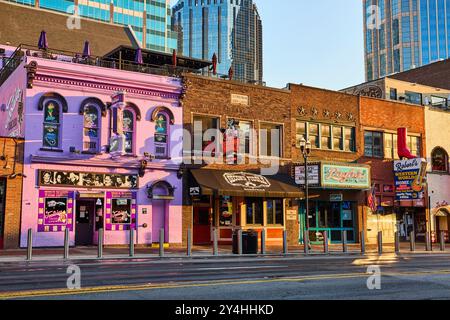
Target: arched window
128	130
91	128
161	135
439	160
52	125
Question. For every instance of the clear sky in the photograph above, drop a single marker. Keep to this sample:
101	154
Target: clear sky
315	42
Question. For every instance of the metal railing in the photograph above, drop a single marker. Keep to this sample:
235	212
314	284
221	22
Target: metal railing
110	63
10	65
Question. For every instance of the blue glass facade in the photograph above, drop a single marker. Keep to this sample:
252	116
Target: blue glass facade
149	19
410	33
231	29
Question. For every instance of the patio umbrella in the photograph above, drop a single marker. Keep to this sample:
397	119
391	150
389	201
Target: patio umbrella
86	50
214	64
43	43
174	58
138	57
230	73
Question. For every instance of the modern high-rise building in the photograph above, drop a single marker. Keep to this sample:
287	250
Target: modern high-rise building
405	34
150	20
232	29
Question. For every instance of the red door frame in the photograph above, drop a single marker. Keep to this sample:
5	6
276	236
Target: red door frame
201	229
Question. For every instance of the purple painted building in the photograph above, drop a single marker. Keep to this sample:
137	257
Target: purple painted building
103	148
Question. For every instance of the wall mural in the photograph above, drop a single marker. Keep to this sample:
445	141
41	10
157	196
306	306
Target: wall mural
88	180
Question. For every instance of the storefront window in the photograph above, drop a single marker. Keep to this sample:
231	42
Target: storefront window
254	211
51	135
275	212
226	211
121	211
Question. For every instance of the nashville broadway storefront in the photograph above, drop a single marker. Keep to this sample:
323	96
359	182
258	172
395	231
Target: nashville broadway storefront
233	200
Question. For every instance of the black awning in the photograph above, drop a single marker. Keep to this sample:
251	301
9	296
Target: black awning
245	184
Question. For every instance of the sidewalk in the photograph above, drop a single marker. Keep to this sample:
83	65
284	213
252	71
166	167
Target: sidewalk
90	253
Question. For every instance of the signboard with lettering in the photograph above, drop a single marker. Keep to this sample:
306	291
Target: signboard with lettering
248	181
55	210
240	99
336	197
348	176
409	178
313	175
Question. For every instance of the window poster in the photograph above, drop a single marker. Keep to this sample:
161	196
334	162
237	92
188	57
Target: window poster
121	211
55	211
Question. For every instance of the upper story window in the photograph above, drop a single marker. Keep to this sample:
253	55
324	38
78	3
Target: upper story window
246	137
91	128
161	135
413	97
414	145
270	138
390	146
205	131
439	160
373	144
52	125
326	136
128	130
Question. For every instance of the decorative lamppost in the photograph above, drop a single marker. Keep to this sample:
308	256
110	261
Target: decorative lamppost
305	148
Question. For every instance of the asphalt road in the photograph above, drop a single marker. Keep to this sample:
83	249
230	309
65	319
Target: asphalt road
402	277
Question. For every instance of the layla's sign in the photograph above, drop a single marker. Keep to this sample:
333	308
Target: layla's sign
409	178
247	180
345	176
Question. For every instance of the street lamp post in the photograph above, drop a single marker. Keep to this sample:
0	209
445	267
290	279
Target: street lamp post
305	148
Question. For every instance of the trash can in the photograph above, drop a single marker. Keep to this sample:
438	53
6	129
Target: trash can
249	242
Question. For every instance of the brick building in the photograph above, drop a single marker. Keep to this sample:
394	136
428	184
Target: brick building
237	194
11	179
379	120
330	121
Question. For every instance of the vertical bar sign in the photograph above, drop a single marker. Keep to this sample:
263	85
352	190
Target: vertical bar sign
55	211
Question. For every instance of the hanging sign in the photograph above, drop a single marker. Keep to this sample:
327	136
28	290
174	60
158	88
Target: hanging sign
409	178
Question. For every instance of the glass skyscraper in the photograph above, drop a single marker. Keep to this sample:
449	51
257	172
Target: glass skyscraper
406	34
231	29
149	19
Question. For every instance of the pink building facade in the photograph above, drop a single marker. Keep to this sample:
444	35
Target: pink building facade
103	150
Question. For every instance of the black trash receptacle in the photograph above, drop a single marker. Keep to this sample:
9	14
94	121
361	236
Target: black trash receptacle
249	242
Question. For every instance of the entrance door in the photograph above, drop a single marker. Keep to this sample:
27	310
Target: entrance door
85	221
202	226
158	220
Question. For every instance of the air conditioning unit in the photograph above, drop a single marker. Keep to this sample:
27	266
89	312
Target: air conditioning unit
161	150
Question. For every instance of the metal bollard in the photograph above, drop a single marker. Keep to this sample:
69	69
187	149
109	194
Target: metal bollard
412	241
189	243
397	242
428	242
442	238
285	243
326	249
344	241
100	244
240	242
306	241
215	243
380	242
363	243
30	245
131	242
66	244
263	241
161	242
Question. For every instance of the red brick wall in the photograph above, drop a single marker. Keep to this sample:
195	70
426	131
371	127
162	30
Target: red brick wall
11	232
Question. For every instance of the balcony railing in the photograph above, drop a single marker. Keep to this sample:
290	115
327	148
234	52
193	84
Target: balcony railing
10	65
111	63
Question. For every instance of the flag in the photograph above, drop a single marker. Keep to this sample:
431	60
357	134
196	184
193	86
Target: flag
372	200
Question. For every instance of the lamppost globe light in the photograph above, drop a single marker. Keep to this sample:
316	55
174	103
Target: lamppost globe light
302	144
308	147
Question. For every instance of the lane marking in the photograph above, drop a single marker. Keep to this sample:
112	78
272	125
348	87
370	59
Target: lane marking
124	288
